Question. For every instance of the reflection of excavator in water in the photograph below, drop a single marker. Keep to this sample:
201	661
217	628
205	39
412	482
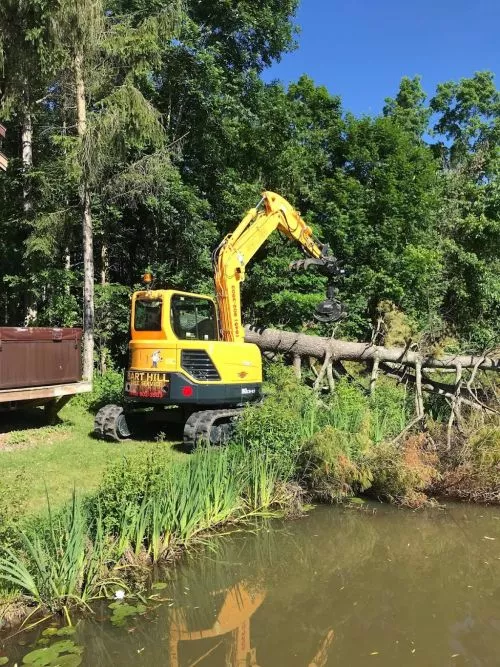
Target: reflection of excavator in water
188	350
233	619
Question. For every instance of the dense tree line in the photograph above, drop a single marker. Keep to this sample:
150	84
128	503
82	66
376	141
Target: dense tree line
139	131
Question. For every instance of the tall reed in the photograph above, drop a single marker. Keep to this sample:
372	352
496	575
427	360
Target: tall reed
65	560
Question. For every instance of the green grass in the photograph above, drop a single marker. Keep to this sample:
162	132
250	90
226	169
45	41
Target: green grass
61	458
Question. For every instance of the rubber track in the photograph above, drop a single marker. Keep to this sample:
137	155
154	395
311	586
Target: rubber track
105	422
99	421
198	426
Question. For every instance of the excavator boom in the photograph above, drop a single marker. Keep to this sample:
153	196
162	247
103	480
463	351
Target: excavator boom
232	256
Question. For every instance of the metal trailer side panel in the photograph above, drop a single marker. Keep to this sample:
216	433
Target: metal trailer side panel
31	357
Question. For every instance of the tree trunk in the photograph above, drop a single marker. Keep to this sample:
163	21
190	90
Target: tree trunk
27	162
87	232
286	342
104	263
27	158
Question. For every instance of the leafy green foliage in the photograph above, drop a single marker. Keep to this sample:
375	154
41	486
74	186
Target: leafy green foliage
277	426
106	388
183	134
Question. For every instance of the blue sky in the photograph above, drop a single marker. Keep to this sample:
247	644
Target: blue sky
360	49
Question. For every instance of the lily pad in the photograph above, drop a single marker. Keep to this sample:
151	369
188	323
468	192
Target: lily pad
159	586
48	632
122	611
50	656
66	631
66	646
4	660
41	657
70	660
43	641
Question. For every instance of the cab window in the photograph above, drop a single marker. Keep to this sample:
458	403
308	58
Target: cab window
147	315
193	318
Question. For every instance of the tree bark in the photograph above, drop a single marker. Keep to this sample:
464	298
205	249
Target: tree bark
27	158
87	231
286	342
104	263
27	162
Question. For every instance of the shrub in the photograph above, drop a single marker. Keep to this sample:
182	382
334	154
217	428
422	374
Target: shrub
107	388
471	470
126	483
401	473
328	468
279	425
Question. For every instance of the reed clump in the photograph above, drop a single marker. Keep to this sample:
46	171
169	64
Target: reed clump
147	510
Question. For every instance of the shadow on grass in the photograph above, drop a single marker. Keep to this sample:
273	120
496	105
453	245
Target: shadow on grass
153	432
23	419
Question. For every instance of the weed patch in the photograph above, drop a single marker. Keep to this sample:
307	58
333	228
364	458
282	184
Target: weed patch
402	473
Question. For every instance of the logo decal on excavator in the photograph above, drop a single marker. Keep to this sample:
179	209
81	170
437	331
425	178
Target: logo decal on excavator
155	359
242	374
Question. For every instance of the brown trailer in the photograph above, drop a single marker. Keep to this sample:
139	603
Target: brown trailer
40	366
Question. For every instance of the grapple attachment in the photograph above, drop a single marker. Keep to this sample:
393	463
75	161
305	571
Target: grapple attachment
331	309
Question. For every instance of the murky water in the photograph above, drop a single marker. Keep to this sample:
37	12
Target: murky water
338	587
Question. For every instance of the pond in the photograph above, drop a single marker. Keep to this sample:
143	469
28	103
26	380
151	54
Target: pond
368	586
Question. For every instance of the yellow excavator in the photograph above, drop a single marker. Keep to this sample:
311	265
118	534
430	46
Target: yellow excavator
188	350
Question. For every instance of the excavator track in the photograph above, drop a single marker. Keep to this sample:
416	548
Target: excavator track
210	426
110	423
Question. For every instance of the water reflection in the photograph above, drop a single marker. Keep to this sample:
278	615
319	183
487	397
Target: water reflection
338	587
232	629
233	619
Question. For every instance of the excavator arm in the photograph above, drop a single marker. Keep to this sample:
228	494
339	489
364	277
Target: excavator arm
237	249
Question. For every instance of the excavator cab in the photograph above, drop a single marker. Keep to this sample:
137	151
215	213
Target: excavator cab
177	358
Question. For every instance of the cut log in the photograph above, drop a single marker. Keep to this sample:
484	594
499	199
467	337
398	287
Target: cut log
303	345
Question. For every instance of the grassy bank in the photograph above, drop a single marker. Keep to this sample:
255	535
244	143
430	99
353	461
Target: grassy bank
146	510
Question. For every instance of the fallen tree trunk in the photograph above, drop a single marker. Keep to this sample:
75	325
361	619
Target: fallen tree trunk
303	345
